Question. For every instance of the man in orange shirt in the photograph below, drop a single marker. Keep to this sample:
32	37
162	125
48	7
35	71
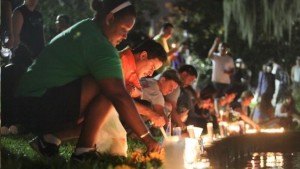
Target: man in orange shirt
139	62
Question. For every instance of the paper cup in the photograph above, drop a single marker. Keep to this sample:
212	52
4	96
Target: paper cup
174	148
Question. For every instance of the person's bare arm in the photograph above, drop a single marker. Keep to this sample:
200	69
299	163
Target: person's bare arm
245	118
157	119
115	91
175	115
159	109
214	47
17	23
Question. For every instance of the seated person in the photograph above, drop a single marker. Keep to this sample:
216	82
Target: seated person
239	108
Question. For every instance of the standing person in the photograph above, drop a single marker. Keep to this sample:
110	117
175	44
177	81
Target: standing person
27	39
295	73
164	35
6	23
266	82
28	33
64	91
5	45
62	22
180	56
240	78
223	67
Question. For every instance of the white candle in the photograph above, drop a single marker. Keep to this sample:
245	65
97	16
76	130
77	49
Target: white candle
174	148
190	129
210	131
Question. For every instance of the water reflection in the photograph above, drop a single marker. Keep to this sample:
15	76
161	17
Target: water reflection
274	160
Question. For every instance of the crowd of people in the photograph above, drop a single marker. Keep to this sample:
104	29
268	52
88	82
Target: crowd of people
78	86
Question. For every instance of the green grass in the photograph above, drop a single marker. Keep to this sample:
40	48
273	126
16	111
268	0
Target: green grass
17	154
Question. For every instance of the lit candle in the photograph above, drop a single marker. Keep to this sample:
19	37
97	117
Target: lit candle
174	146
173	45
210	131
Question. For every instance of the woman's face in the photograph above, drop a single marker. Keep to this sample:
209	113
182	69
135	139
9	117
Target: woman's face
116	30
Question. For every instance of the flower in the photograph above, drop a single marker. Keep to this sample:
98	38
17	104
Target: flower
123	166
152	160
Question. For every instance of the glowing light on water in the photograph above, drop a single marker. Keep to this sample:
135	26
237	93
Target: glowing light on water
273	130
267	160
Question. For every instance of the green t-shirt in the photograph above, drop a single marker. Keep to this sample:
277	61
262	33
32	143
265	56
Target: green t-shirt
79	51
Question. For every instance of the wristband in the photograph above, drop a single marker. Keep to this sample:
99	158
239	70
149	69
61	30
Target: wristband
144	135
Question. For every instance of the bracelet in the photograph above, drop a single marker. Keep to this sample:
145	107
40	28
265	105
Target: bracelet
144	135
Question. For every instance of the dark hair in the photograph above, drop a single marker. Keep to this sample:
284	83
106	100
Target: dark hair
167	25
171	74
103	7
188	69
153	49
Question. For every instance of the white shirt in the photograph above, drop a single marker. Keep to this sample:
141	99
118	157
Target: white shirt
151	92
296	71
221	63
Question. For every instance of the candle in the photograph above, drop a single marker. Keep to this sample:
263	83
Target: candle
174	146
177	131
210	131
190	129
191	151
197	132
223	128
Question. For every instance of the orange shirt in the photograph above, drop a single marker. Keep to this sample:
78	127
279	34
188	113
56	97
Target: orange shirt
129	68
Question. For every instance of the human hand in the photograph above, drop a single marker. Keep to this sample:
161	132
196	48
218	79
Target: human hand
152	144
158	121
256	126
217	40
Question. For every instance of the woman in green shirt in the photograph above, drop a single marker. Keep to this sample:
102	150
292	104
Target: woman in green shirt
76	79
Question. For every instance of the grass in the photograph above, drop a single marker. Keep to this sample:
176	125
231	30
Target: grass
17	154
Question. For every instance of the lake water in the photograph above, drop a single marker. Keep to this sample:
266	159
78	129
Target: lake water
265	160
274	160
